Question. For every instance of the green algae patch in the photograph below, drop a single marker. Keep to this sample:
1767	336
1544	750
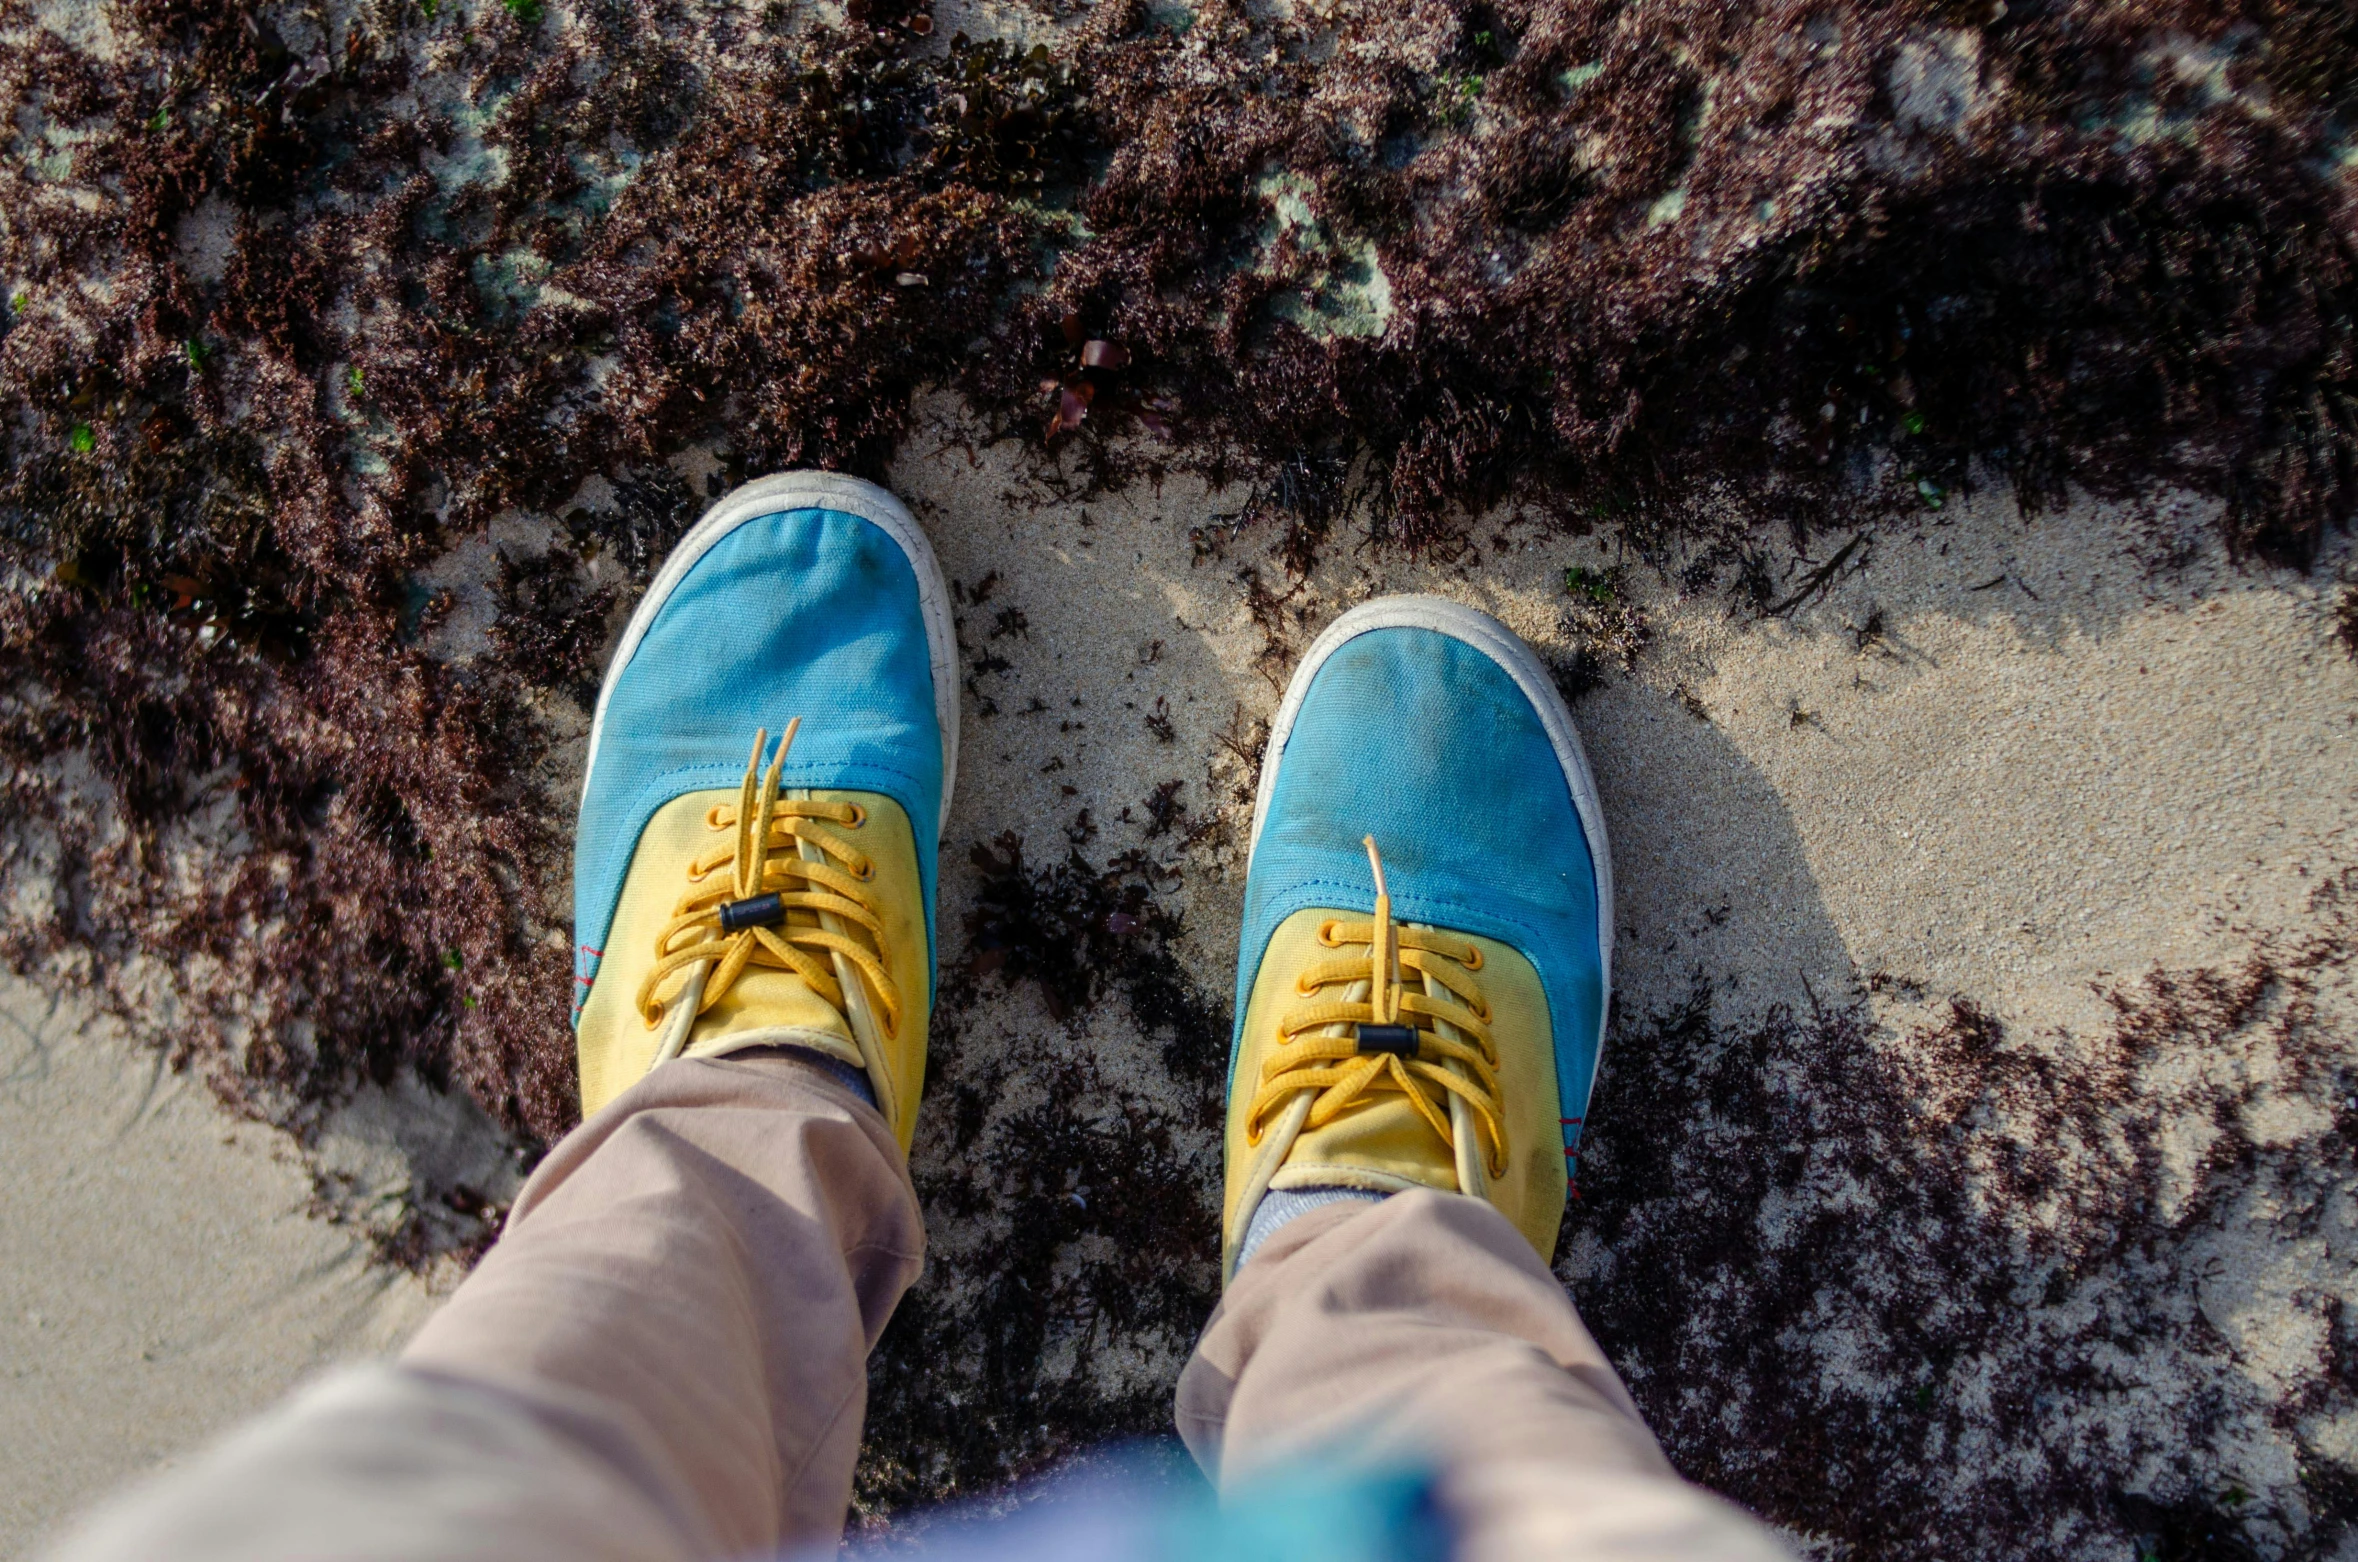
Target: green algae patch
1338	282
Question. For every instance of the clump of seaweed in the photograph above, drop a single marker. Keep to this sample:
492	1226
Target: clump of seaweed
1819	1251
1603	628
1096	1189
1076	931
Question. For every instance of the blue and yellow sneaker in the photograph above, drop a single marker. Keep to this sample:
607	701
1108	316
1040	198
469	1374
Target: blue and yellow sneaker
721	903
1428	927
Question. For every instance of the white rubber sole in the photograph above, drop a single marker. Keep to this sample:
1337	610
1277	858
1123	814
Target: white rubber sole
810	491
1503	646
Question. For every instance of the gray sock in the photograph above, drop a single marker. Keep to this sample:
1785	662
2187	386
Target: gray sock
1280	1205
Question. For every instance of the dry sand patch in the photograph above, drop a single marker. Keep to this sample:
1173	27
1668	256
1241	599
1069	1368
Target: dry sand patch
162	1272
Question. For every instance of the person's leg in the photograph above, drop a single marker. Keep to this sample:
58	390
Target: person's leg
1413	1058
690	1287
1424	1328
379	1464
664	1355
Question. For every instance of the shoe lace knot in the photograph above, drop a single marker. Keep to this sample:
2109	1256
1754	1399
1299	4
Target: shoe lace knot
793	891
1397	1011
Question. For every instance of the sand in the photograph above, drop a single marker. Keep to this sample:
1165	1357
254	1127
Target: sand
161	1275
2074	748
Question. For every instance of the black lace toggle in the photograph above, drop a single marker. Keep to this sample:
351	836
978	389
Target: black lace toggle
758	911
1399	1040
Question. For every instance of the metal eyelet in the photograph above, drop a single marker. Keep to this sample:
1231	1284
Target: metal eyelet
1326	934
713	819
867	871
1473	957
859	816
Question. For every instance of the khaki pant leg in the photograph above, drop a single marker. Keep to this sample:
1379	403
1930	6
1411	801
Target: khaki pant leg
708	1261
1424	1328
664	1356
383	1464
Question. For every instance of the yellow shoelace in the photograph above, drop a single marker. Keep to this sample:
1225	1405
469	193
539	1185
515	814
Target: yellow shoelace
779	849
1445	1064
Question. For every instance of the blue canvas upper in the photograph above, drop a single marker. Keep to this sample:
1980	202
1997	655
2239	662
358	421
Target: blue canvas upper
810	613
1426	743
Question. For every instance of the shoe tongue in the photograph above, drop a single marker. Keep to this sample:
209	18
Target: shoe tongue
1379	1136
1379	1139
761	1004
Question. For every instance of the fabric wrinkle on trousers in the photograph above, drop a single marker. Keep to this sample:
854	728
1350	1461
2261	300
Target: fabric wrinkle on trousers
1423	1329
664	1358
712	1258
